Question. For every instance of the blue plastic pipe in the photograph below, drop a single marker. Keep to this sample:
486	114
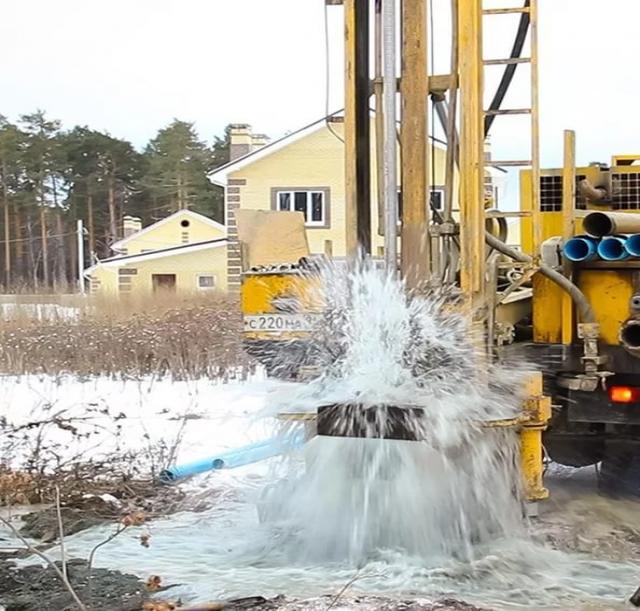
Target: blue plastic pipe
580	248
612	248
632	245
246	455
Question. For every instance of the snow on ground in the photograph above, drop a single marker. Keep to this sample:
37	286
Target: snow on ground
198	417
226	551
37	311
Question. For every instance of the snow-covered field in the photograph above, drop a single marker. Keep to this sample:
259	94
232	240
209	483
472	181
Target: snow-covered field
99	417
37	311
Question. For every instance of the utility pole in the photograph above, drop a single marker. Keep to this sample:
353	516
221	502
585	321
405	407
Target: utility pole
80	236
7	230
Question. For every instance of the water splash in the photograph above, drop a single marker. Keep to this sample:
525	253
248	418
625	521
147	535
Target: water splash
455	488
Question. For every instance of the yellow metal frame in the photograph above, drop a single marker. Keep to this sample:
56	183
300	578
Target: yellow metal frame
472	215
568	226
351	191
414	149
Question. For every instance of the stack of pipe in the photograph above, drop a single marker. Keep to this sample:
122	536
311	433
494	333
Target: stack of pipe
610	236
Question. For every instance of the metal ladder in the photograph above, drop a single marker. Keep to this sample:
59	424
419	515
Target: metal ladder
532	112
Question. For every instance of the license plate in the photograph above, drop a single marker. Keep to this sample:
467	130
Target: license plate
279	323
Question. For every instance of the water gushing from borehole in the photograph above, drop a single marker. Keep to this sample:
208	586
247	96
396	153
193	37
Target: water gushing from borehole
454	488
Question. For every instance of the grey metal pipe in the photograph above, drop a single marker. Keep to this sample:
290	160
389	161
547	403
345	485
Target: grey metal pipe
390	146
630	336
378	92
600	224
596	194
582	303
453	150
443	114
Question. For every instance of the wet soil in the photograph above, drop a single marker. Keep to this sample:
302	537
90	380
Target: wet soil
80	512
379	603
34	588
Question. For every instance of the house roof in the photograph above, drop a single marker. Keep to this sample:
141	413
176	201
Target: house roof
219	175
182	249
190	213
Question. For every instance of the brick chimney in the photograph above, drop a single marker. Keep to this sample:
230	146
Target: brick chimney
242	141
130	225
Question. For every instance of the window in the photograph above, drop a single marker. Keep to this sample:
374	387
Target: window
312	204
436	198
206	282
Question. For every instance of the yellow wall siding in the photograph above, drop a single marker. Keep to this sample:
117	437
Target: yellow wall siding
315	161
170	234
185	266
104	281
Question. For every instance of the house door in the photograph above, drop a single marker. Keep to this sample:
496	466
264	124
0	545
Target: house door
163	282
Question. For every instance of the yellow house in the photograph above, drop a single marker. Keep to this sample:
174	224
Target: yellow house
185	252
302	171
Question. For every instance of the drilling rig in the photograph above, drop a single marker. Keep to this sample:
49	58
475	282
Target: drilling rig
577	314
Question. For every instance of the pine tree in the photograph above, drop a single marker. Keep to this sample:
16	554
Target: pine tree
41	156
220	155
101	174
10	140
178	164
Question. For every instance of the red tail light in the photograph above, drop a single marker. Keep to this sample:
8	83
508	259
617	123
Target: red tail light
624	394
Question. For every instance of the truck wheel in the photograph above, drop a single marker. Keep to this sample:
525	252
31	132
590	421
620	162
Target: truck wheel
619	473
574	454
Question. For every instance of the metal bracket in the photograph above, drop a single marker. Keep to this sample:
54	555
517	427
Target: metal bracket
504	333
589	333
439	84
579	382
441	229
538	409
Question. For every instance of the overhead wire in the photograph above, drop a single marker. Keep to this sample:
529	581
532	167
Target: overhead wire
327	74
48	236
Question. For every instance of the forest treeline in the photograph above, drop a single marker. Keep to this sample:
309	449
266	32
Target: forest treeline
51	177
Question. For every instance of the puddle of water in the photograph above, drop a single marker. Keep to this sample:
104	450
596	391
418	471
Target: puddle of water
227	552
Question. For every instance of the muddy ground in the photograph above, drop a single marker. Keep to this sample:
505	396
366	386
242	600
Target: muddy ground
575	519
39	588
34	588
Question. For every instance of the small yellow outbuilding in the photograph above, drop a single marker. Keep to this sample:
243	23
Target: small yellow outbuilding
185	252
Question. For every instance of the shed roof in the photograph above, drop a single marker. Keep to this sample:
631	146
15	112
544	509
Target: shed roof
157	254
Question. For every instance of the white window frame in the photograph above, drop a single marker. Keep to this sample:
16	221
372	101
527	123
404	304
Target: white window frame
207	275
309	212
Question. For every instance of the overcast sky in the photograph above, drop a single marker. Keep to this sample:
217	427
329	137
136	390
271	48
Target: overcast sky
130	66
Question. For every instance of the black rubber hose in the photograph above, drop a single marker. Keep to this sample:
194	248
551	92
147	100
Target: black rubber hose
510	70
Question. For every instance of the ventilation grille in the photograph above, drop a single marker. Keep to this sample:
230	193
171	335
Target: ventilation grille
626	191
551	194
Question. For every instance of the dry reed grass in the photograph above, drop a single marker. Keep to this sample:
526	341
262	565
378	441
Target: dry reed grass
160	335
